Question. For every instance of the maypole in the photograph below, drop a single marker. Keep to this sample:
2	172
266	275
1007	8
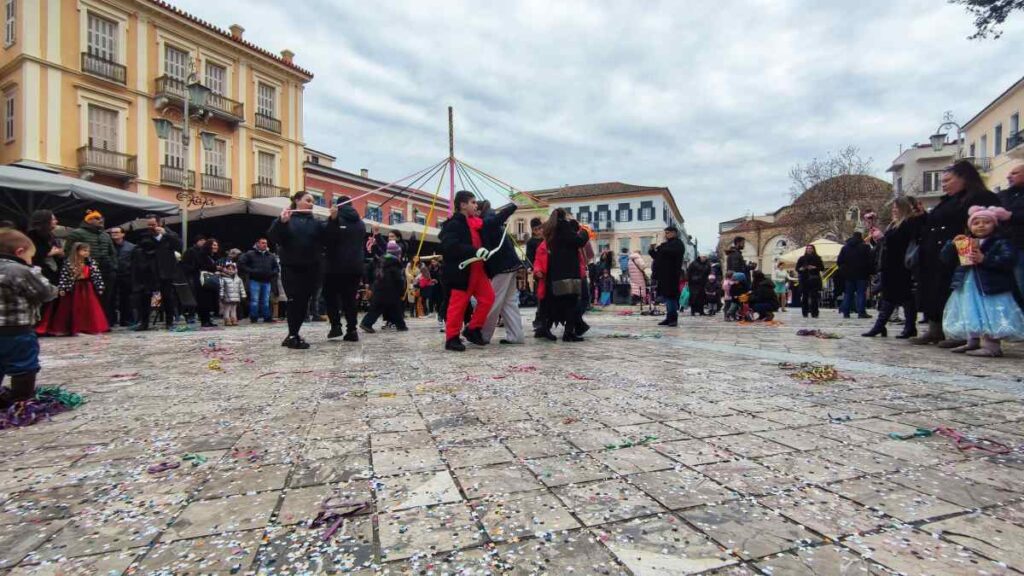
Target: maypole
451	161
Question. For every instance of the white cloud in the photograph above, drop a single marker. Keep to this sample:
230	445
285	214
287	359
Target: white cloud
715	100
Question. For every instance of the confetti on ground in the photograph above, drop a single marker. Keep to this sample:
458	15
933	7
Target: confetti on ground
818	334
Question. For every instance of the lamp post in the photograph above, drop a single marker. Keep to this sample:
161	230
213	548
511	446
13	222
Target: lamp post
195	96
938	140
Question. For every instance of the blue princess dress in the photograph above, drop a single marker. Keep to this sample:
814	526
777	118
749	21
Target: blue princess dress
983	301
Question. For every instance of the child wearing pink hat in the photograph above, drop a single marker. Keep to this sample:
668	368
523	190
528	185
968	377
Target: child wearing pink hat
985	307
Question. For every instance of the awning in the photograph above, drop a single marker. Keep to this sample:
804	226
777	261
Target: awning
26	189
827	249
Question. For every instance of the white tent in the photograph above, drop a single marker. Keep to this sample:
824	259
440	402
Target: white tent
827	249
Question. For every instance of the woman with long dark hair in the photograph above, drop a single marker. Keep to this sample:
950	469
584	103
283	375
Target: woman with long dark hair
207	283
963	188
896	281
49	255
809	268
563	238
300	239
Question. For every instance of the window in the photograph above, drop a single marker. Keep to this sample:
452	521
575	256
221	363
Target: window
216	78
624	213
520	227
419	217
972	150
932	181
899	185
395	217
174	151
9	102
1014	123
102	128
373	212
984	146
603	214
266	100
318	198
583	214
176	63
645	243
646	210
101	37
623	244
266	167
998	144
10	22
216	159
602	246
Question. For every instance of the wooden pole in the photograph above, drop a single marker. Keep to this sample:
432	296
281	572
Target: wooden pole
451	161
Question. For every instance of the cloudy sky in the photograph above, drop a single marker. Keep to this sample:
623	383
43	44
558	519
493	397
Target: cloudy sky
716	100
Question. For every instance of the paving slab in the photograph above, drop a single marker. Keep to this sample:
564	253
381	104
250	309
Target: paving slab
606	501
663	546
747	529
910	551
523	515
427	531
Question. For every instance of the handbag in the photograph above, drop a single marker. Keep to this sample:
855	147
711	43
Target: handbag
913	255
209	281
566	287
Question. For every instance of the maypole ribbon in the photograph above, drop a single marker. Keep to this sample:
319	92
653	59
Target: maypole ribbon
426	225
487	253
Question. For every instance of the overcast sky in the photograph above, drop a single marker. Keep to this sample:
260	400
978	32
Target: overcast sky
716	100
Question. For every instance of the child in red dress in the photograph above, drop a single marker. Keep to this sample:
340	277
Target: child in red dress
78	310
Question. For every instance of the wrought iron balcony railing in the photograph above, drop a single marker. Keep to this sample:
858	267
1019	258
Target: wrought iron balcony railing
106	69
109	162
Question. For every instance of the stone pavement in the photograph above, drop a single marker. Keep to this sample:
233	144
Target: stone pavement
641	451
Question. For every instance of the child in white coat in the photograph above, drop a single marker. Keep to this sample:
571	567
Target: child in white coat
232	292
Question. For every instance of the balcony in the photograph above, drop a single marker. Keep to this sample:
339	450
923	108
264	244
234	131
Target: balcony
269	191
1015	145
173	91
174	176
106	69
107	162
603	226
216	184
268	123
982	164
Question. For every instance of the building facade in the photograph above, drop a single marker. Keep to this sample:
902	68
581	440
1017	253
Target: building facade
623	216
993	136
918	171
391	205
83	81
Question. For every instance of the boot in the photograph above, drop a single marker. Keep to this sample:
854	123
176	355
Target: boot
909	323
335	331
23	387
475	336
455	345
948	343
884	312
932	336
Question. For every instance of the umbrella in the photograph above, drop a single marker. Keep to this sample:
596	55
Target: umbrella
827	249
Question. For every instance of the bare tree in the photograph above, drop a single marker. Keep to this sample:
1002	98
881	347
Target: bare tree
830	194
989	15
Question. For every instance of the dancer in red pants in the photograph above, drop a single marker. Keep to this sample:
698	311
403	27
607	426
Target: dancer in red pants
460	241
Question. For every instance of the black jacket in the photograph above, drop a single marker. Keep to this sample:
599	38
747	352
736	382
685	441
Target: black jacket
456	247
165	263
764	294
344	242
810	279
1013	200
734	261
697	273
564	252
531	248
897	282
994	274
855	260
668	266
300	240
258	266
505	259
124	258
389	286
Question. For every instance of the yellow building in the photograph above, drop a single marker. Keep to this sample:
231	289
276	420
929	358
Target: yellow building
993	137
83	80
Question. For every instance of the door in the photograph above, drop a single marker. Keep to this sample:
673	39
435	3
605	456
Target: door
102	128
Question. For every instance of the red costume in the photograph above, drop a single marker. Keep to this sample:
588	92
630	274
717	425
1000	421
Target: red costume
78	310
479	287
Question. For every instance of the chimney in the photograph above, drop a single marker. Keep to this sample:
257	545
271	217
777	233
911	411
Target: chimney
364	172
287	55
236	31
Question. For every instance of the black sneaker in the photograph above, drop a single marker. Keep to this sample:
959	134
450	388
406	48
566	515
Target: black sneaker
296	343
455	345
475	336
582	328
545	334
402	328
351	336
863	315
335	332
367	329
571	338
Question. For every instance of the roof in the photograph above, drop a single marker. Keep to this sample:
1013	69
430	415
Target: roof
1013	87
358	180
589	190
319	153
228	36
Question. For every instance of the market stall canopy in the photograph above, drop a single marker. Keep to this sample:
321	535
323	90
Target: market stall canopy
827	249
26	188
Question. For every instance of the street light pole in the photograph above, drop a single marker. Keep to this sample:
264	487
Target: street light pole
938	140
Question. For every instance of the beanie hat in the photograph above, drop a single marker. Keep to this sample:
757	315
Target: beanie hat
91	215
993	213
394	249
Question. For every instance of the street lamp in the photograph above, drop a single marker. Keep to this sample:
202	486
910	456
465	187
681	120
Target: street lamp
938	140
195	96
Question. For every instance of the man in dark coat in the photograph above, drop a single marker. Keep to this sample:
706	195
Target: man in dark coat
856	262
460	241
155	268
697	278
668	266
531	254
1013	200
120	305
260	269
343	240
734	261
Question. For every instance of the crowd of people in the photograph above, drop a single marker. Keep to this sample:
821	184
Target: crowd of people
960	266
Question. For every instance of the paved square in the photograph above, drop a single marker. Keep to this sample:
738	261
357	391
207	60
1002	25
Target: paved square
675	452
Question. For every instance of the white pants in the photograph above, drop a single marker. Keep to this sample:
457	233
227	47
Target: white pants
506	305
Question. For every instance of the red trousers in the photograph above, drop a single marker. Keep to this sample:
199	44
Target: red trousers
479	287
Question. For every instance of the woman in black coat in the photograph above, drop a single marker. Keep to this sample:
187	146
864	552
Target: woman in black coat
809	268
564	238
897	283
697	276
963	188
208	293
300	243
